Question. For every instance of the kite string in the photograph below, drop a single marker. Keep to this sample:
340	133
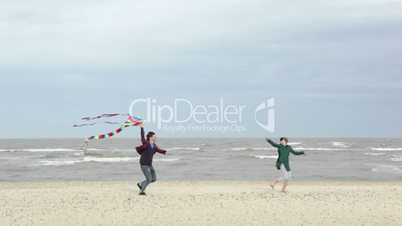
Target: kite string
94	123
103	116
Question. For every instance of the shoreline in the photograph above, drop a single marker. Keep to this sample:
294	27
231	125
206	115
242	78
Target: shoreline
292	181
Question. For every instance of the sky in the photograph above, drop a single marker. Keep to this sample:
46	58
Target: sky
333	67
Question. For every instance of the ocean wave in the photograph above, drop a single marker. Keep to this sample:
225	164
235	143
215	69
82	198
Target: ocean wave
91	153
78	154
47	150
386	168
319	149
239	149
262	149
76	150
10	158
396	159
294	143
6	150
274	148
265	156
93	149
166	160
86	159
386	149
340	144
294	148
109	159
252	149
56	162
206	158
53	149
184	148
122	159
374	154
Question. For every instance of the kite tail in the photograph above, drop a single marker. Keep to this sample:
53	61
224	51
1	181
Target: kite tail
107	135
131	121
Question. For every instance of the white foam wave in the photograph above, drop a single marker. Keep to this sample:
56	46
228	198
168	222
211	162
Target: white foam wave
239	149
294	148
93	149
386	149
184	148
340	144
265	156
95	159
262	149
319	149
374	154
5	150
166	160
294	143
109	159
206	158
254	149
396	159
48	150
56	162
386	169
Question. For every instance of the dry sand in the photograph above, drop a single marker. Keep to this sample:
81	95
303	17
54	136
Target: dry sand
200	203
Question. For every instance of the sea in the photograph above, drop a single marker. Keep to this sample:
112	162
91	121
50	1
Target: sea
366	159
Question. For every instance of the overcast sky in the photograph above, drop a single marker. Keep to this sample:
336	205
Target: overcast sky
333	67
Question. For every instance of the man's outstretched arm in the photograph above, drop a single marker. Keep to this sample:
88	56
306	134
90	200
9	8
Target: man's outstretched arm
143	140
157	149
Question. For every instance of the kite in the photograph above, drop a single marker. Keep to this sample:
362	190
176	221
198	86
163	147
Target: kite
131	121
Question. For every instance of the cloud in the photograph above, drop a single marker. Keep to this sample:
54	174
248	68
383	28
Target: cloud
117	50
145	33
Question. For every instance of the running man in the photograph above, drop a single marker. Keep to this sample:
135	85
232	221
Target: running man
282	163
147	151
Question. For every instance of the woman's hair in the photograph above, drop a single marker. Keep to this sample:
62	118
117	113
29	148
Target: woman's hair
150	134
284	138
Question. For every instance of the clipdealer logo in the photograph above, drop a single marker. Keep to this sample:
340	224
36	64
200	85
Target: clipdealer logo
268	107
182	115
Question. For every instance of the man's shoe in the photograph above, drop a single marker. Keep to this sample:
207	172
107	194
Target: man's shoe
142	193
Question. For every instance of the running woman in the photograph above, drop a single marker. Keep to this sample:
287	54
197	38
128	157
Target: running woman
282	163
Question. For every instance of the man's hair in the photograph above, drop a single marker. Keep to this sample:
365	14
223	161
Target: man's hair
284	138
150	134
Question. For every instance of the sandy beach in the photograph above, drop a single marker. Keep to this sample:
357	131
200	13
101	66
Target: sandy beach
200	203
